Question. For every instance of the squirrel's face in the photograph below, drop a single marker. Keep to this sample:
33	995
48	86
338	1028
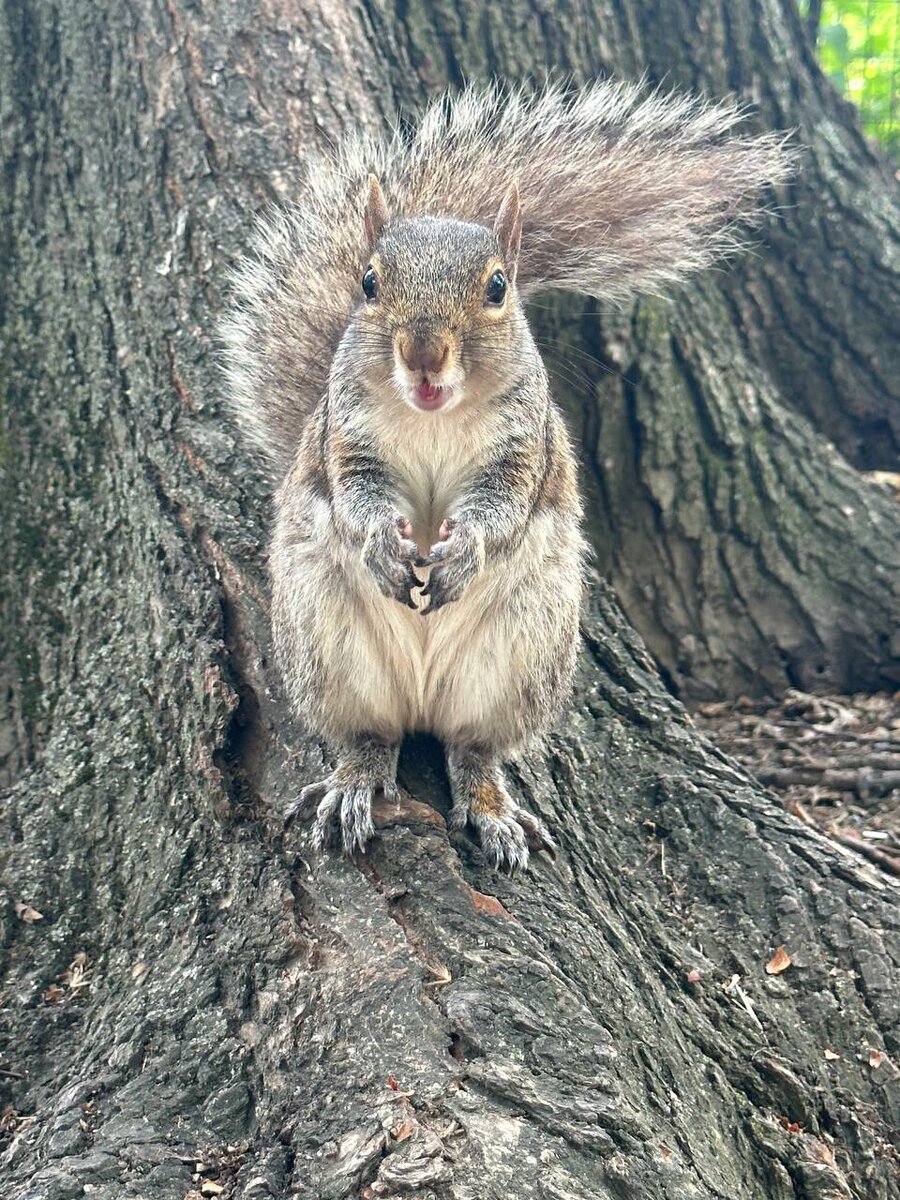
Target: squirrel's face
439	315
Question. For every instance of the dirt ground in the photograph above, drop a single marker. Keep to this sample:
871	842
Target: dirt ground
834	761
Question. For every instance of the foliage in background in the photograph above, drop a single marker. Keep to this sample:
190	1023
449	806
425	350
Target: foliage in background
859	48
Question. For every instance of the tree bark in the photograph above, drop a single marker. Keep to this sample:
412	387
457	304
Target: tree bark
410	1024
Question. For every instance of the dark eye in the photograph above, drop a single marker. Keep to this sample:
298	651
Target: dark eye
495	292
370	285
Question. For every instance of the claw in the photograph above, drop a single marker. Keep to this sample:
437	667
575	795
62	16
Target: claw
507	837
303	804
537	834
346	804
503	842
322	833
356	820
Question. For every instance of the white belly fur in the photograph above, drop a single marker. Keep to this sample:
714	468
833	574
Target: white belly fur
359	662
458	673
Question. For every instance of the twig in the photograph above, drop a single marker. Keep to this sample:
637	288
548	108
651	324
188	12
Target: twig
887	862
863	781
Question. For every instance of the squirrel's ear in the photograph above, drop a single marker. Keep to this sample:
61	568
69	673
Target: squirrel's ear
508	226
377	215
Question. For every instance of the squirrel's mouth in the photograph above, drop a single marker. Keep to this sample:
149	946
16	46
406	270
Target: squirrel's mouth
430	397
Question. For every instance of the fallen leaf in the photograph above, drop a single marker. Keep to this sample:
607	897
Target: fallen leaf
694	976
75	978
818	1151
830	1055
392	1082
489	904
780	961
54	994
876	1058
790	1126
26	913
404	1130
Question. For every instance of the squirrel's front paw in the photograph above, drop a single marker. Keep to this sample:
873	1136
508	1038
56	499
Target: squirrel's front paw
457	559
389	553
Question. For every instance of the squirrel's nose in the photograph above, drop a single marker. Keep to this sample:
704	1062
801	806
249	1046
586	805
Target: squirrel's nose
424	355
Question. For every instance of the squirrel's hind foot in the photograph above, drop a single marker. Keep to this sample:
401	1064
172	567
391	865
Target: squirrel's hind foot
506	831
349	808
345	798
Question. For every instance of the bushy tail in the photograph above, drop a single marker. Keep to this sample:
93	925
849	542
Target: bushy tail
621	191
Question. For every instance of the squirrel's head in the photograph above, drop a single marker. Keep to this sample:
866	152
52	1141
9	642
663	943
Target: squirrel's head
439	315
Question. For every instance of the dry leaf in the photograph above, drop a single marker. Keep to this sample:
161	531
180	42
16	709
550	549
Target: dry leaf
830	1055
790	1126
780	961
819	1151
75	977
876	1058
404	1130
392	1082
54	994
694	976
489	904
26	913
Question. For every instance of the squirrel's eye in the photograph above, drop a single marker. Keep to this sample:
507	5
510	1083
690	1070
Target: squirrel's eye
495	292
370	285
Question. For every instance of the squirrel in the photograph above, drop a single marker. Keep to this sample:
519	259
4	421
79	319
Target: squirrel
427	558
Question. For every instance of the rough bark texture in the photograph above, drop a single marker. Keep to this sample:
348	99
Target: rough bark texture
412	1024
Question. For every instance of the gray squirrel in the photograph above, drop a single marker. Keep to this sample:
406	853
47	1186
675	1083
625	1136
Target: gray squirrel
427	555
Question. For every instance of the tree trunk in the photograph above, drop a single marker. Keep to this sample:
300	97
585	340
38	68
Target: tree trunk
409	1025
